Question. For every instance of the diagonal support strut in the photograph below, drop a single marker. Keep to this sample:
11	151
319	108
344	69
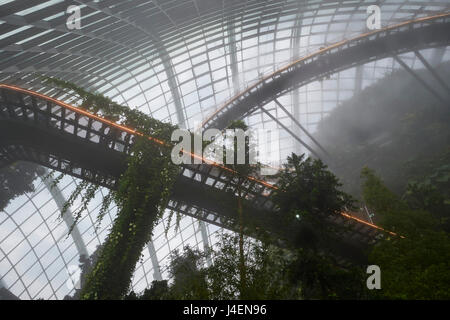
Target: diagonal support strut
419	79
291	133
301	127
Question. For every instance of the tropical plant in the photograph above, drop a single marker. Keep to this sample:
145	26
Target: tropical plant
415	263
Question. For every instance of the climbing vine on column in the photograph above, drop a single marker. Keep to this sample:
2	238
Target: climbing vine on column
141	197
143	192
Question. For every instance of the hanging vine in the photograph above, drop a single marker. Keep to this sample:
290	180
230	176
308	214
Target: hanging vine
141	197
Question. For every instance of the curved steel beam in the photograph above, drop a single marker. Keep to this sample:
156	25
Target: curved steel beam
67	216
21	21
163	54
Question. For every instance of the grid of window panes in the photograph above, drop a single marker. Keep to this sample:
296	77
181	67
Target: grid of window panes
37	253
178	61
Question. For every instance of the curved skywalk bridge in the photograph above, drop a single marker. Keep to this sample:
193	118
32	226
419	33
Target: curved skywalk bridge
414	35
43	130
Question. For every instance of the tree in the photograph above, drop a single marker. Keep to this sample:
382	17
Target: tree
376	195
431	192
266	267
188	273
189	278
320	277
273	271
306	184
265	264
240	175
159	290
307	193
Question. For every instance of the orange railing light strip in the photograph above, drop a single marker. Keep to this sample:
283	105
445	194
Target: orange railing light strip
126	129
161	142
349	216
79	110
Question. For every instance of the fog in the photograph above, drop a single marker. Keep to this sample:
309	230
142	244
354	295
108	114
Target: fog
393	127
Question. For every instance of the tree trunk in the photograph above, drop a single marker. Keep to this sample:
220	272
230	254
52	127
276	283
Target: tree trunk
242	269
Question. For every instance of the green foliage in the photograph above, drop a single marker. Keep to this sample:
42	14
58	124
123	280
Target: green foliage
415	265
307	193
394	126
108	109
240	174
17	179
141	198
159	290
401	131
189	279
376	195
265	265
319	277
272	272
306	188
431	191
393	213
246	169
105	107
86	264
267	276
189	275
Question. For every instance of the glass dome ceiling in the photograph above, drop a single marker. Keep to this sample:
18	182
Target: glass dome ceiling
177	61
